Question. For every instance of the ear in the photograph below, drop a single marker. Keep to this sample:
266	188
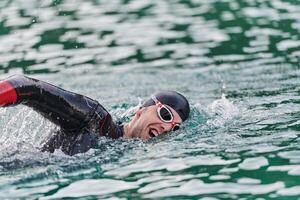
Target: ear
140	111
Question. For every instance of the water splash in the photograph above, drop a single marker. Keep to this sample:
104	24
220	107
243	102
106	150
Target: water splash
115	51
222	111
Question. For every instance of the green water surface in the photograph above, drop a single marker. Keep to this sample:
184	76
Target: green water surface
236	60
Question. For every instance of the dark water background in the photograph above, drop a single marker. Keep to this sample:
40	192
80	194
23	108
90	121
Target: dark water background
237	61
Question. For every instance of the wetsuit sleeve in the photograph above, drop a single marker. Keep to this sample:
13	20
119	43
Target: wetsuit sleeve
66	109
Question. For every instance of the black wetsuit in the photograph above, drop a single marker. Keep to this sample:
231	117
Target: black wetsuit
81	120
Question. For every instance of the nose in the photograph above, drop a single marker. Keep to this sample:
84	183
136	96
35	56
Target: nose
166	127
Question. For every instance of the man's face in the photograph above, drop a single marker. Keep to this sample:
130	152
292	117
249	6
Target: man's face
147	124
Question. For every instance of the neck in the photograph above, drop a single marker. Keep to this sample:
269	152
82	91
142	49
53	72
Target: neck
126	130
128	127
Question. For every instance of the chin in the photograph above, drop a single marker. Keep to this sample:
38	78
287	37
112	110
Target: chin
145	138
142	136
138	134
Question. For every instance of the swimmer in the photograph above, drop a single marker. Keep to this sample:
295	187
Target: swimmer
83	121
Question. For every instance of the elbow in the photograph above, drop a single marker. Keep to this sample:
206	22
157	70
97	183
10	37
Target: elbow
18	77
11	88
25	87
19	81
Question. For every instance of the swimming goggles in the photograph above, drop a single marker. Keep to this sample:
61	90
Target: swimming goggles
165	114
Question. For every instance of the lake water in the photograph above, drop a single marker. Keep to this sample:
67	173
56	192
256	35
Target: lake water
237	62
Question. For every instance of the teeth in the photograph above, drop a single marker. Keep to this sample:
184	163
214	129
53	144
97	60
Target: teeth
151	133
154	132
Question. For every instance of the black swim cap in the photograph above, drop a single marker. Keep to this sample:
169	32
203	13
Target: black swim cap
173	99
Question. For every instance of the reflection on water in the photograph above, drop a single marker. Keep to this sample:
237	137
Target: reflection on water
237	61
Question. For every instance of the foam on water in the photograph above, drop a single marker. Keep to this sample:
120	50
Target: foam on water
223	111
236	61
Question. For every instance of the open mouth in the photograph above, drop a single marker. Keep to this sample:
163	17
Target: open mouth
152	133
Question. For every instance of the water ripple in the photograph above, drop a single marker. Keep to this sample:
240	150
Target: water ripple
237	61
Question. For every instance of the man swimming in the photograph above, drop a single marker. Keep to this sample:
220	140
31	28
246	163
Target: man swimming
83	121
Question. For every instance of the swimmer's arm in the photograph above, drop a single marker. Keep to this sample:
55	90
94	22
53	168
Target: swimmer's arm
68	110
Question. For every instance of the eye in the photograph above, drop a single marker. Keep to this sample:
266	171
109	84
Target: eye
176	127
165	114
